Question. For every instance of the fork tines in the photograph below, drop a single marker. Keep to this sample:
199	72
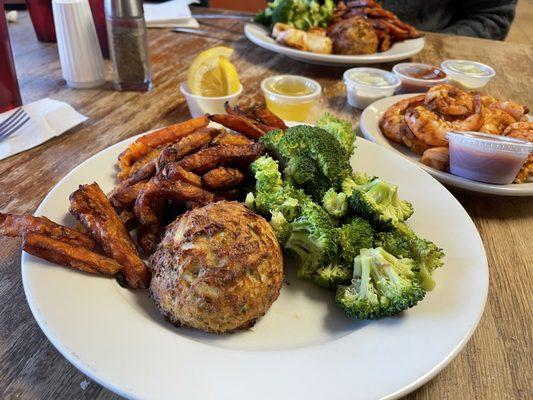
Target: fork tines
13	123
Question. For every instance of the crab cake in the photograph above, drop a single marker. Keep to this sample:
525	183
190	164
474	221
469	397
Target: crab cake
218	268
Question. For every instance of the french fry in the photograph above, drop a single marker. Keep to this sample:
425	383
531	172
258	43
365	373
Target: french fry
92	208
62	253
238	124
213	157
125	196
222	178
20	225
174	172
226	138
148	236
129	219
148	142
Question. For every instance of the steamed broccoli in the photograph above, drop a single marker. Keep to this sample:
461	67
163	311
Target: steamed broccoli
335	204
341	129
333	275
313	239
355	179
302	14
300	169
271	141
394	242
378	202
354	236
382	285
281	227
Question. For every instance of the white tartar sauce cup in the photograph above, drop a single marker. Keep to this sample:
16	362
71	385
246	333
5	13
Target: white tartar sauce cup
468	74
366	85
200	105
486	158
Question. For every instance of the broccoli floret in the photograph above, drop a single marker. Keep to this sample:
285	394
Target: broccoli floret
333	275
300	169
282	11
378	202
354	236
281	226
250	201
302	14
382	285
335	204
341	129
271	141
330	158
267	175
393	242
262	18
354	180
313	239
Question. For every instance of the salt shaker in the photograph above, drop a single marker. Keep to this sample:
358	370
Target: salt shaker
128	47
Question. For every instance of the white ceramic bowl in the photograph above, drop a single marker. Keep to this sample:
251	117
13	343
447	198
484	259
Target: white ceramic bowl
200	105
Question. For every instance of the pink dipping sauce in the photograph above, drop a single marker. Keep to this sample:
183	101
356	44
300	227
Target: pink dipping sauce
486	158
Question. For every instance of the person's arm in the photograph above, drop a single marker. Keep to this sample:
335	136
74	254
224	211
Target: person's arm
489	19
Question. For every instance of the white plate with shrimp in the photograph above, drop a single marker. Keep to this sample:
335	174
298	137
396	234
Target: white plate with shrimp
399	51
369	125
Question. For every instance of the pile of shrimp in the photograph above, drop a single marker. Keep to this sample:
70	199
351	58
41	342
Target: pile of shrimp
421	122
389	28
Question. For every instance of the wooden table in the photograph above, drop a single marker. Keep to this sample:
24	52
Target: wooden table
495	364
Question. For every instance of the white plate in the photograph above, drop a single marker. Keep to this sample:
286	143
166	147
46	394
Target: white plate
304	347
369	125
399	51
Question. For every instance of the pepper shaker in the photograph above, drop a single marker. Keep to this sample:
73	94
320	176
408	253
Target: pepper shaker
128	46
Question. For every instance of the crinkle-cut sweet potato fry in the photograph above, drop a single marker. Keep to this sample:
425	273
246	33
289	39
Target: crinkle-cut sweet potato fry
222	178
148	142
269	118
160	188
174	172
62	253
217	156
19	225
92	208
227	138
239	124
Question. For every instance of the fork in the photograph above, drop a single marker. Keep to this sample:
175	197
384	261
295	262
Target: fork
13	123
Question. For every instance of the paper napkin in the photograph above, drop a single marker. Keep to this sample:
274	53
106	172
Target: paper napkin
48	118
170	14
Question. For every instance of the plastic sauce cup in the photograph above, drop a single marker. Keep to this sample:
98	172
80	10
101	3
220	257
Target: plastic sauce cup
290	107
486	158
417	77
200	105
367	85
468	74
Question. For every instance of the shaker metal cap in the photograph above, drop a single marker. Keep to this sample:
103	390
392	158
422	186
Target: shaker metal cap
123	8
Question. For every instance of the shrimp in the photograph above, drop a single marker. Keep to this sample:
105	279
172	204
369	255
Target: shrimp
392	121
495	121
520	130
449	100
517	111
411	141
437	158
431	129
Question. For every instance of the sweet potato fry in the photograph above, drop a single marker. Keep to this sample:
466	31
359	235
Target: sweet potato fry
248	116
92	208
148	236
229	194
189	144
269	118
125	196
231	138
160	188
62	253
174	172
222	178
229	155
21	225
238	124
148	142
129	219
141	163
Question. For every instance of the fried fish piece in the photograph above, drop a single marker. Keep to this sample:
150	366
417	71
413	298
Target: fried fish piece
92	208
231	138
146	206
174	172
63	253
238	124
124	196
152	140
226	155
20	225
222	178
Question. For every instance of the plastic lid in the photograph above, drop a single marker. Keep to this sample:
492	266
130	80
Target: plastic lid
488	141
397	69
459	66
391	80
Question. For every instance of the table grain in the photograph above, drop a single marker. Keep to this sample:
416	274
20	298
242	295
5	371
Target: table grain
495	364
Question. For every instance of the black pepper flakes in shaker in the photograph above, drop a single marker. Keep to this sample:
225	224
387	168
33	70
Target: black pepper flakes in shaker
128	46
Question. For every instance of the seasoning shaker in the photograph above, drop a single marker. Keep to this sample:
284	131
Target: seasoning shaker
126	30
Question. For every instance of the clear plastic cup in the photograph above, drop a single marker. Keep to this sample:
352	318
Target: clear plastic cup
417	77
468	74
290	107
486	158
200	105
367	85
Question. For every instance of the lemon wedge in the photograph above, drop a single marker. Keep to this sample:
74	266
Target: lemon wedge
212	75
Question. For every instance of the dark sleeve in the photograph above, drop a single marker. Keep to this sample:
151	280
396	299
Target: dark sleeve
489	19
